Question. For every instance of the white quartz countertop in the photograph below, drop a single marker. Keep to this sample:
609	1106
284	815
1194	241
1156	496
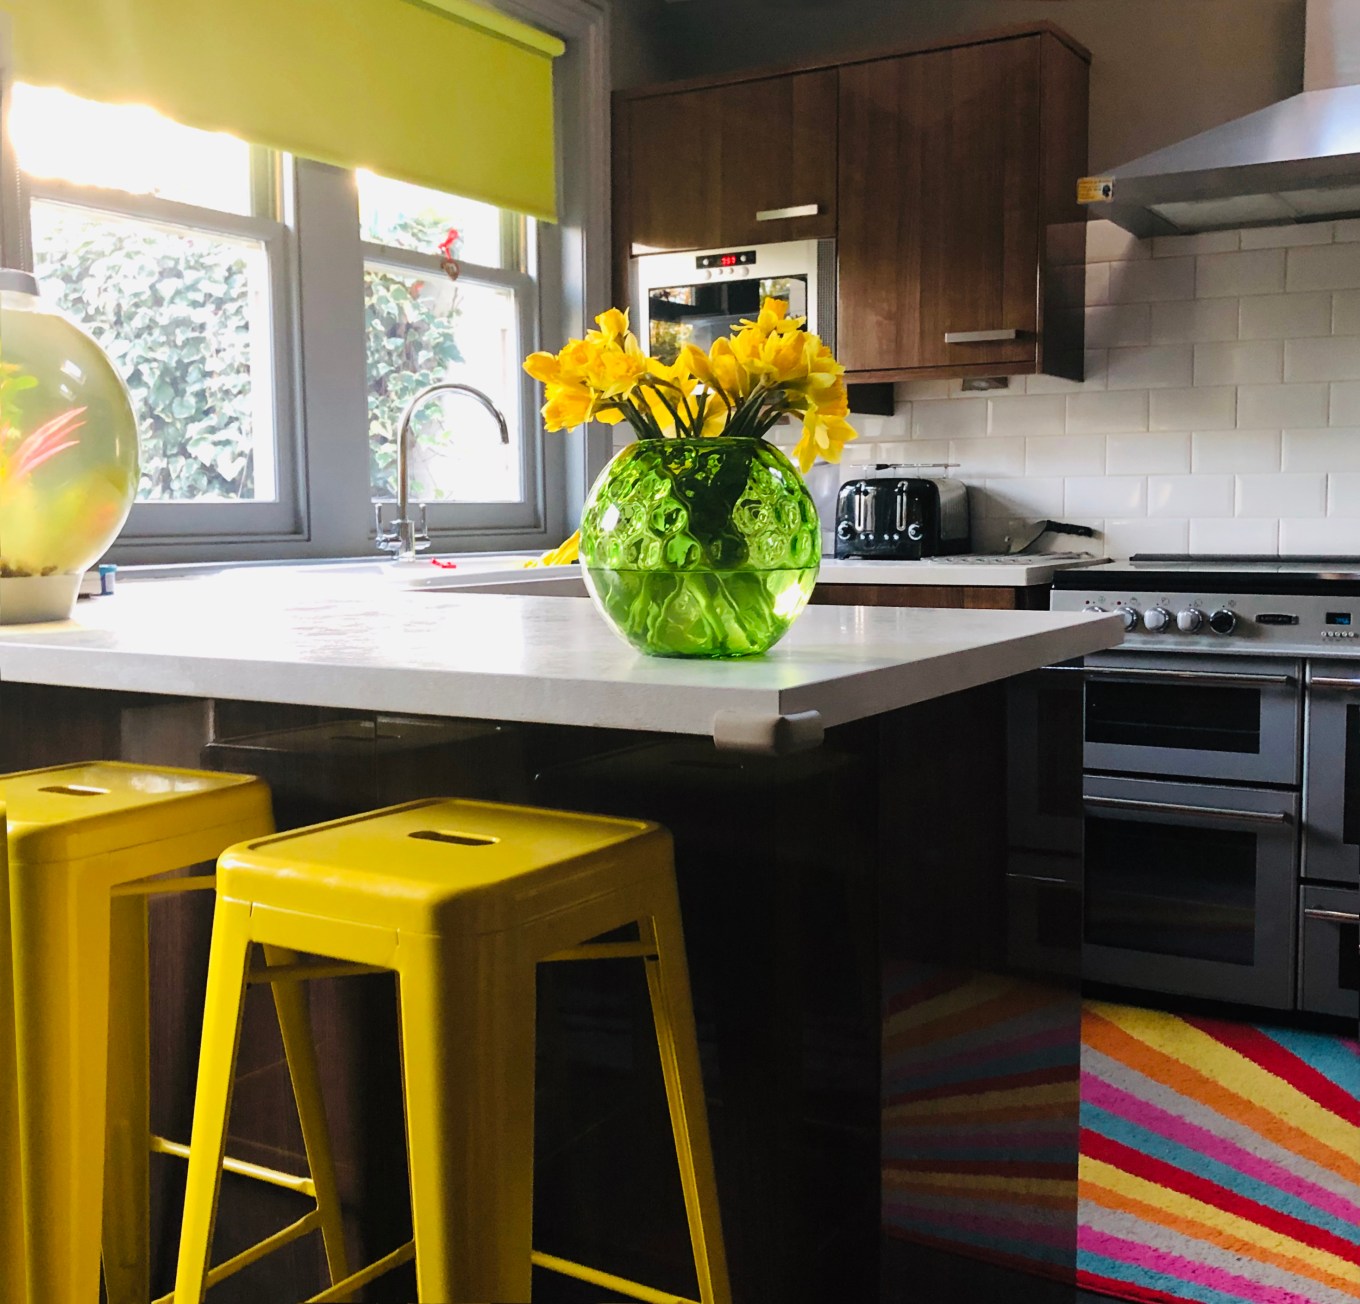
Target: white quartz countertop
379	647
985	571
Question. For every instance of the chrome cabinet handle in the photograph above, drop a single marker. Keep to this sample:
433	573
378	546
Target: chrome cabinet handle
978	337
783	214
1175	808
1230	677
1332	916
1329	681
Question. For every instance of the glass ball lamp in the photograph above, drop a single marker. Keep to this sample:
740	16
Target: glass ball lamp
68	454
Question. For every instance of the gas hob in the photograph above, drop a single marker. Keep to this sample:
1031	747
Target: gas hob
1301	606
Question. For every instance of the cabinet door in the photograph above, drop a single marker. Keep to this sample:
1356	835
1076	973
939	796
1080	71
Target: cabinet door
701	166
939	207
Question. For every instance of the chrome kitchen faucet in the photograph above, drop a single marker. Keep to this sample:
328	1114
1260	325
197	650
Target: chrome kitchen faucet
404	540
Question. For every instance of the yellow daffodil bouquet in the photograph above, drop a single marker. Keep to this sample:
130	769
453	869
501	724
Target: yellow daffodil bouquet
768	369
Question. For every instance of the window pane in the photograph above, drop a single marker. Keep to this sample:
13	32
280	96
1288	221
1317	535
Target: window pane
403	216
127	147
423	329
184	316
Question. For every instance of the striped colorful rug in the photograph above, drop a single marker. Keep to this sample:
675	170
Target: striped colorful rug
1220	1161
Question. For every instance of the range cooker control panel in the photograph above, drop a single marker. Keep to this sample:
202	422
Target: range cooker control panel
1206	620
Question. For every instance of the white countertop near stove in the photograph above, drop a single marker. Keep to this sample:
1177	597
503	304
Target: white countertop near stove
249	634
983	570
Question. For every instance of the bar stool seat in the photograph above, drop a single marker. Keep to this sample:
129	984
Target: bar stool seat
462	899
85	843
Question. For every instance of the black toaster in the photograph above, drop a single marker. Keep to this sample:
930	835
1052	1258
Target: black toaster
897	517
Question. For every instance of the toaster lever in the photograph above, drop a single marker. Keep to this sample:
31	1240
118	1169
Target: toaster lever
902	509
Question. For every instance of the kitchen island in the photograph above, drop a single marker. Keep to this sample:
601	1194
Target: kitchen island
839	823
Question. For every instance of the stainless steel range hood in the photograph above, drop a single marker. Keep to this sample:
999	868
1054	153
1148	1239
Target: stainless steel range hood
1295	161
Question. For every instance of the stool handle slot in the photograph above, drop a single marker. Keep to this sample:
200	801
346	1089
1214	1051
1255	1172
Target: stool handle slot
75	790
454	839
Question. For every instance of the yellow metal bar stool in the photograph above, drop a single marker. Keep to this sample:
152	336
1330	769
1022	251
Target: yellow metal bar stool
462	899
12	1290
85	843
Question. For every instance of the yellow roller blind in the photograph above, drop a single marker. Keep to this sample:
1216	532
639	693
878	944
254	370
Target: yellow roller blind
444	93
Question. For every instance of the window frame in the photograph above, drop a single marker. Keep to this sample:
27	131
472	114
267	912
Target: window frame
165	522
328	427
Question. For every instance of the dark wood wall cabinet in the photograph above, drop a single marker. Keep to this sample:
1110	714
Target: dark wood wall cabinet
946	174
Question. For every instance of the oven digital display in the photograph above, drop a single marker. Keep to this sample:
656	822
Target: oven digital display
1338	617
741	258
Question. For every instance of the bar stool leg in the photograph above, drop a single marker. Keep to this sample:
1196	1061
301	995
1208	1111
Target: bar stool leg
300	1051
222	1011
61	971
677	1038
11	1193
127	1157
468	1050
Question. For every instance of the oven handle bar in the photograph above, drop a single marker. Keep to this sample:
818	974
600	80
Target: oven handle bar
784	214
1175	808
1331	681
1332	916
1229	677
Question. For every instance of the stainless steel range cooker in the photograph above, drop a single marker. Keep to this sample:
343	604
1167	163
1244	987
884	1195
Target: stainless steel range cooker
1215	826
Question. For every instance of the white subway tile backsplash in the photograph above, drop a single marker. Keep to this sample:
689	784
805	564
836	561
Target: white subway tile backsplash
1215	451
1097	283
1027	414
1105	495
1065	455
1163	366
1346	312
1119	323
1257	271
1208	408
1286	316
1281	495
1190	496
1124	538
1334	358
1346	230
1236	536
1108	243
986	459
1279	237
1261	406
1243	363
1094	369
1147	454
1107	413
1337	449
1210	242
907	390
1155	279
1343	494
1336	535
945	419
1194	320
1039	497
1324	267
1345	404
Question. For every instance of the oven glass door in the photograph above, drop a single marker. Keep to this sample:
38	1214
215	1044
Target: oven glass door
1191	889
1329	963
1331	785
702	312
1201	717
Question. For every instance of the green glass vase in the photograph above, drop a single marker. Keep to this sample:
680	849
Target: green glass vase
700	547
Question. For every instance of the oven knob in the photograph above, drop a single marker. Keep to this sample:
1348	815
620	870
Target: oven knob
1190	621
1130	618
1223	622
705	275
1156	620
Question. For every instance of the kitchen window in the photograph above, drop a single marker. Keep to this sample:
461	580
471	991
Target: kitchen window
197	261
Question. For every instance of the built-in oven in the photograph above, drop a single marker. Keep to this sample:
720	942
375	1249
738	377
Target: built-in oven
699	296
1329	951
1191	888
1331	804
1213	718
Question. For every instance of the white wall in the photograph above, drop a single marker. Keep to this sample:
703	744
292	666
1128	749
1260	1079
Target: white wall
1221	409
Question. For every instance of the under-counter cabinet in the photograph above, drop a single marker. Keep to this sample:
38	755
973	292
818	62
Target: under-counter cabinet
947	175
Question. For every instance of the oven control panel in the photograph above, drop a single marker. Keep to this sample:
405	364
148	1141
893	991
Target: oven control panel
1225	620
